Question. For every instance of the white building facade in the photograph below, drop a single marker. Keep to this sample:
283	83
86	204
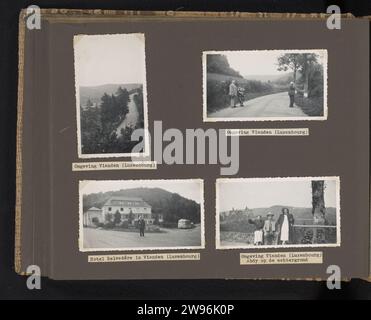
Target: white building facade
130	209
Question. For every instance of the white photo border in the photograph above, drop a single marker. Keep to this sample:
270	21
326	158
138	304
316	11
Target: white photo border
147	151
123	249
206	118
338	213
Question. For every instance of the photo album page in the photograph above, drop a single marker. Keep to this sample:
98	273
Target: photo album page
185	146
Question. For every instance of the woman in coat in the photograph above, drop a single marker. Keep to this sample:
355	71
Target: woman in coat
285	228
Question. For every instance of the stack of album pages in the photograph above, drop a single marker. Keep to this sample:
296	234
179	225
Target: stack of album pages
157	145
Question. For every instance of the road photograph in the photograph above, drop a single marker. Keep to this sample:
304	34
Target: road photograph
260	85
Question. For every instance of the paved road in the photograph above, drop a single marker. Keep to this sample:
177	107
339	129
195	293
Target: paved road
100	238
272	105
131	117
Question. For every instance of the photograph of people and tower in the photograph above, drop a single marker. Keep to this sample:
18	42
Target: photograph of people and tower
300	211
265	85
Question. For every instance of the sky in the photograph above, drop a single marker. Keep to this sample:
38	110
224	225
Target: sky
190	189
109	59
263	194
256	62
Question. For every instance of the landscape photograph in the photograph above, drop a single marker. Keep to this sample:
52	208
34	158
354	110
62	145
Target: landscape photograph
141	214
264	85
111	97
278	212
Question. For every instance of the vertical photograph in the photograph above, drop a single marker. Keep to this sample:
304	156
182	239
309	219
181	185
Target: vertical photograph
263	85
278	212
111	94
141	215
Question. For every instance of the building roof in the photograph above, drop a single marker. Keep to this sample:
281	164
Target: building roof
126	202
94	209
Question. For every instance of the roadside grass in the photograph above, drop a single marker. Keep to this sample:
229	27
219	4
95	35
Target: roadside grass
312	106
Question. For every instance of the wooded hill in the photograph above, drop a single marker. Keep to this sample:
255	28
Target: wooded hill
95	93
171	205
301	215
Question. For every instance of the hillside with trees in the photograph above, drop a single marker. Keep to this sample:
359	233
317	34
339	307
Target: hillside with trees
95	93
99	123
171	205
219	77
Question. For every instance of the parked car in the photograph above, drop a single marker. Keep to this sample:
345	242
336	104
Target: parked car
185	224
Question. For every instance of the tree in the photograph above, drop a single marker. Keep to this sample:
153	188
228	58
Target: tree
91	130
138	100
117	218
89	103
318	207
298	62
122	98
308	59
108	217
218	63
131	217
107	114
289	61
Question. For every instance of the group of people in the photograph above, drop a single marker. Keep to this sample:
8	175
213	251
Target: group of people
270	232
236	94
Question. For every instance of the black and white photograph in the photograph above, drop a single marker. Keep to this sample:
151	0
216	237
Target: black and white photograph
141	214
265	85
111	94
278	212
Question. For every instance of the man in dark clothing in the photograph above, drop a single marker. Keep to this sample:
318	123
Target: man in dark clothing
292	94
142	226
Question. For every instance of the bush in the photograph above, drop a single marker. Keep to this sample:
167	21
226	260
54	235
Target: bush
124	224
109	225
311	106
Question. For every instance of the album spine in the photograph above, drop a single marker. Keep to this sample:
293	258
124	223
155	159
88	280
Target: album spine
33	205
19	157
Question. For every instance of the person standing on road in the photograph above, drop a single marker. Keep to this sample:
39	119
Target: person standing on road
142	226
292	94
233	93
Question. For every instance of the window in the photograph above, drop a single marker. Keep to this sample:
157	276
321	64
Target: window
121	209
109	208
